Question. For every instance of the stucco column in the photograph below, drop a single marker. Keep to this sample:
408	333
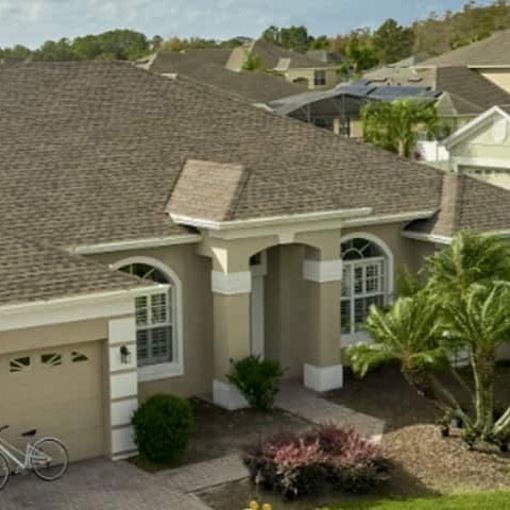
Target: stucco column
322	269
231	315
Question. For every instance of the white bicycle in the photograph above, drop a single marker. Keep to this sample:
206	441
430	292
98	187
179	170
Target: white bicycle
47	458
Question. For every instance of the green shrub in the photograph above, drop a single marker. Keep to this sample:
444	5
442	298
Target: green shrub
257	380
162	427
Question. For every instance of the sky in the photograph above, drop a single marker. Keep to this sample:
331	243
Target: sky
31	22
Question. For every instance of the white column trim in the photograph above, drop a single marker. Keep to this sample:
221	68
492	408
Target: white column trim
322	271
323	378
123	387
231	283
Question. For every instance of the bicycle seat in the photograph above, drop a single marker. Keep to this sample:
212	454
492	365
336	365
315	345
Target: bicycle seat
29	433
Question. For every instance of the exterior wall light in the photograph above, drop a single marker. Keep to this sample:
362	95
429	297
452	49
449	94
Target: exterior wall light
125	355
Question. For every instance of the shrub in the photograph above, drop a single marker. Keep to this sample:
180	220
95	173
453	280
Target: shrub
162	426
257	380
296	465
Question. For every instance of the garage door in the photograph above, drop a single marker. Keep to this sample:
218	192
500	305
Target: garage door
59	392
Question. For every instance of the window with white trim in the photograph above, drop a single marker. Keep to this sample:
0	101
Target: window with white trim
155	312
365	282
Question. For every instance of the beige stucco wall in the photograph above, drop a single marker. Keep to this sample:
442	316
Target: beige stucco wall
308	74
53	336
500	77
194	272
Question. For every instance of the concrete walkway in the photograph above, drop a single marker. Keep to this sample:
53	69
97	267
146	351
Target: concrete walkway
296	399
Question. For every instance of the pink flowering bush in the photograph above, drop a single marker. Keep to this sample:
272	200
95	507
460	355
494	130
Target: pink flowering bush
296	465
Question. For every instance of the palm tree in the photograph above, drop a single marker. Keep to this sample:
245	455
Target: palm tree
465	305
480	324
395	125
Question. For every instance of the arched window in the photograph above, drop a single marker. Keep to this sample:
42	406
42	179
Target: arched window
367	280
155	316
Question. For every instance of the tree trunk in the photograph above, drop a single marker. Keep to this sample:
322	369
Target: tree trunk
483	371
401	148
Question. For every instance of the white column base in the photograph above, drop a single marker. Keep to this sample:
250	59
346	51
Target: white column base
323	378
228	396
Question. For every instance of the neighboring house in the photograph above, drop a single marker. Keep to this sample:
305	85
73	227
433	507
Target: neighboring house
153	229
295	67
490	57
208	66
481	148
339	109
464	92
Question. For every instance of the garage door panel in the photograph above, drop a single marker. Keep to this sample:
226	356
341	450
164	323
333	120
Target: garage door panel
59	393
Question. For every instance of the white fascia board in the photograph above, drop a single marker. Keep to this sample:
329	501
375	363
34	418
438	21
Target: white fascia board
72	309
389	218
502	163
488	66
154	242
478	121
427	237
270	220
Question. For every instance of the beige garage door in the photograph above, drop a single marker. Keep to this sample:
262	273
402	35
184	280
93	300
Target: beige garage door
59	392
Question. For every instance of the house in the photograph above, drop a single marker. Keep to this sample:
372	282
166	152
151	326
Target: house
465	93
481	148
339	109
296	67
208	66
489	57
153	229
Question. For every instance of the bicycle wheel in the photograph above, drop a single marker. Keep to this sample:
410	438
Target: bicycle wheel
49	459
4	471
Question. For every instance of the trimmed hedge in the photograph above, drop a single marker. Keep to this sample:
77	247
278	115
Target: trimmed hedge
162	427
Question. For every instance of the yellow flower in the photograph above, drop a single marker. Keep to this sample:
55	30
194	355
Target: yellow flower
254	505
267	506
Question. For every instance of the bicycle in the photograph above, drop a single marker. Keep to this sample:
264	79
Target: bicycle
47	458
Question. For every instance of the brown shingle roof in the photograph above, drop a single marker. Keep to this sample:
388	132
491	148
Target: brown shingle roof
493	51
207	190
89	153
208	66
34	272
467	204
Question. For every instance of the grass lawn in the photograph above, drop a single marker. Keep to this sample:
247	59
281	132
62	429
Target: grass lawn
492	500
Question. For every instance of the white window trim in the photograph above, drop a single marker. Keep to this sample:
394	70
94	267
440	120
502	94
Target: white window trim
174	368
363	336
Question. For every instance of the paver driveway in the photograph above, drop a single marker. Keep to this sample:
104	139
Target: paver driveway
97	485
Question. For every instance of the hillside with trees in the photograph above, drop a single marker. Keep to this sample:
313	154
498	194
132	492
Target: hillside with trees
362	48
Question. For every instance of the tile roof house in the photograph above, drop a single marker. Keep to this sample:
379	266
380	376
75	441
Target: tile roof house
305	69
490	57
153	229
209	66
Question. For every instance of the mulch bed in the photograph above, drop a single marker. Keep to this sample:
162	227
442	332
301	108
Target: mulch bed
419	452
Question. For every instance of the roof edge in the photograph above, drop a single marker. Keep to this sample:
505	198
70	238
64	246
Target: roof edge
152	242
270	220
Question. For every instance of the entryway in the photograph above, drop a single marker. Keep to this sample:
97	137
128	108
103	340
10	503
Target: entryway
258	267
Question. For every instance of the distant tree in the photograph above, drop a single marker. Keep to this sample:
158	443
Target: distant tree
156	42
175	44
55	51
323	42
252	62
393	41
395	125
360	51
18	53
293	37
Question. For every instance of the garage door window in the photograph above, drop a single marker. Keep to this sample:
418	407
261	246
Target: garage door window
19	364
155	332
